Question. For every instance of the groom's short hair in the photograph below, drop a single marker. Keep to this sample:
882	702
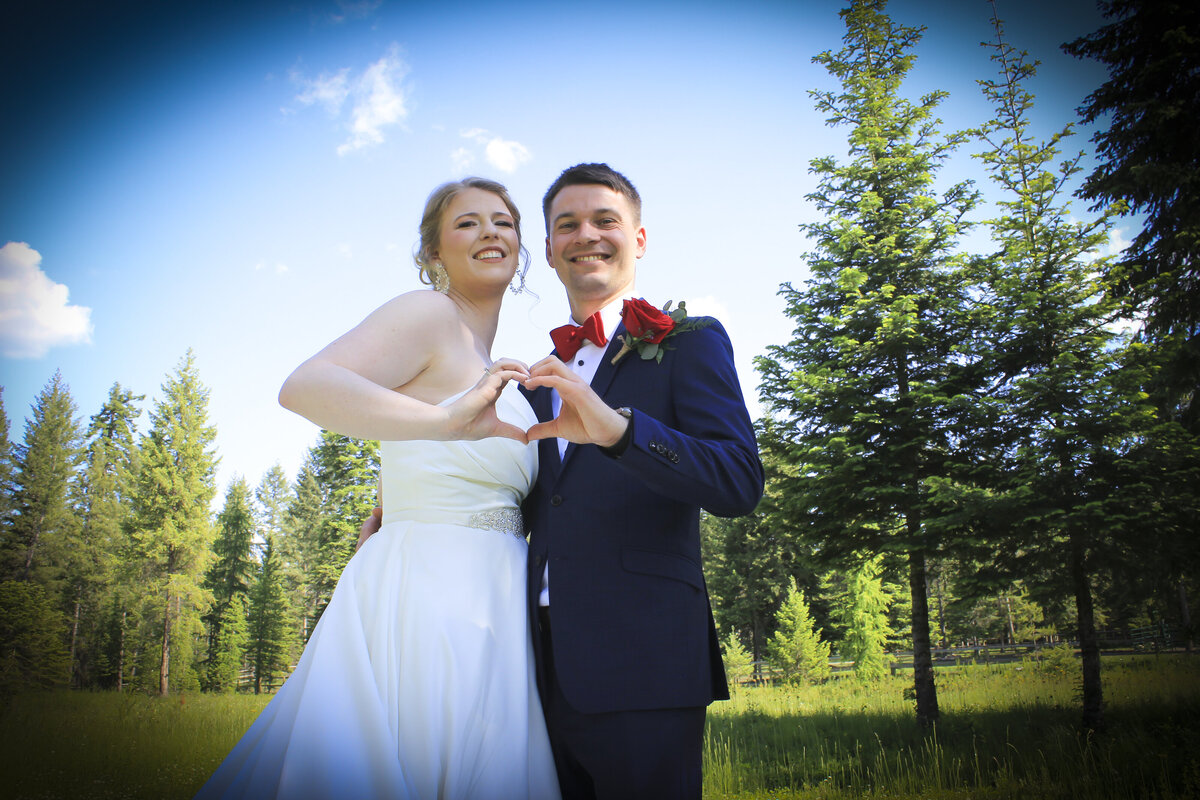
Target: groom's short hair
601	174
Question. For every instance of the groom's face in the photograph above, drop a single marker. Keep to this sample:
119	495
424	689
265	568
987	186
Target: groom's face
594	242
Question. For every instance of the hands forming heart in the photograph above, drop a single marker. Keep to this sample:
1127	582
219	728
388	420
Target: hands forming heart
583	419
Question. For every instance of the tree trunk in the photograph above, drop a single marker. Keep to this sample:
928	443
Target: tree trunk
1089	644
926	691
1012	629
74	638
121	654
164	665
1185	615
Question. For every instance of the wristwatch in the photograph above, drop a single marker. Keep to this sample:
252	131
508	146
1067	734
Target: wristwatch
618	449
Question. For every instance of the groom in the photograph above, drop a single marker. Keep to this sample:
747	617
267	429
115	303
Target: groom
630	452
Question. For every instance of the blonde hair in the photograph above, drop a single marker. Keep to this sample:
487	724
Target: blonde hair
431	225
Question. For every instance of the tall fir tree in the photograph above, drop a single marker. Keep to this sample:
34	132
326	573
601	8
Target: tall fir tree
7	486
868	391
299	547
272	496
1070	401
270	643
1147	151
348	473
171	524
103	500
230	576
47	465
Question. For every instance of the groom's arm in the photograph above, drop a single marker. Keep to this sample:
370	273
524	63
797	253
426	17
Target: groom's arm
708	457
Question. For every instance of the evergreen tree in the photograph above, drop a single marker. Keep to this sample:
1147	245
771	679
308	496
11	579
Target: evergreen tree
47	463
746	562
1071	404
32	652
270	641
229	578
227	647
103	502
870	386
348	473
739	663
1148	151
299	546
7	486
796	647
861	613
272	495
171	524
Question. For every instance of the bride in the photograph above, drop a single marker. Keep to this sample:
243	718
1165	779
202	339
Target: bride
418	680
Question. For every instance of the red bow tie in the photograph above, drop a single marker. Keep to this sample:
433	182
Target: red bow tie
569	338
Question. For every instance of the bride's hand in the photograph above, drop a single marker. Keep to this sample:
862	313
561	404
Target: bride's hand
473	416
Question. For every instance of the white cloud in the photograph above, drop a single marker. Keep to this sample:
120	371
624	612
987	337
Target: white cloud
278	269
461	159
329	91
377	99
506	156
503	154
707	306
34	313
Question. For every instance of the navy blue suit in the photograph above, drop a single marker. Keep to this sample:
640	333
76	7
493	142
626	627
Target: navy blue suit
632	626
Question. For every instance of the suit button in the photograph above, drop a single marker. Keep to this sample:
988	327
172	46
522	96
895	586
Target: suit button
556	500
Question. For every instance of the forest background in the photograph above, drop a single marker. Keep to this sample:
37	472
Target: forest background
969	438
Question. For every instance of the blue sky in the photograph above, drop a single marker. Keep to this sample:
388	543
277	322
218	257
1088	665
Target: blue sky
246	180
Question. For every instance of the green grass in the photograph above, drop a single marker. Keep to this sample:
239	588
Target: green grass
1005	731
1008	731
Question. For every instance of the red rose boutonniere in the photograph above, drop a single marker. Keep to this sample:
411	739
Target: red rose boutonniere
647	328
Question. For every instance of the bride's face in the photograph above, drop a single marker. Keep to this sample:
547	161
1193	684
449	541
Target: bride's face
478	244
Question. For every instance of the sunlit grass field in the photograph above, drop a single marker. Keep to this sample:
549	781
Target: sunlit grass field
1007	731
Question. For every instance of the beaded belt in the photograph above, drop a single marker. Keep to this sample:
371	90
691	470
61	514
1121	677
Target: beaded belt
502	520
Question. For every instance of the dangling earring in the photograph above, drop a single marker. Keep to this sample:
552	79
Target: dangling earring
441	279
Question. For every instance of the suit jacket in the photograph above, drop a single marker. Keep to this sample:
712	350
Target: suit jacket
628	604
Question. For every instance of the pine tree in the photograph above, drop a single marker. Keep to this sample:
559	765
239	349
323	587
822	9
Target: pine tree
227	647
7	485
171	525
103	502
272	495
861	614
47	465
229	577
269	636
739	663
1147	151
1072	402
32	652
870	385
348	472
796	647
299	546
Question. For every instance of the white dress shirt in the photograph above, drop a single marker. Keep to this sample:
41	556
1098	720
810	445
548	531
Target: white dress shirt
584	364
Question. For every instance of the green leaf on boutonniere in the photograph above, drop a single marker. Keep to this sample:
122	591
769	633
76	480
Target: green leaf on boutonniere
644	322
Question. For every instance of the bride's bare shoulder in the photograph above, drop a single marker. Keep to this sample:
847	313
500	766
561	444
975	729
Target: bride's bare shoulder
420	308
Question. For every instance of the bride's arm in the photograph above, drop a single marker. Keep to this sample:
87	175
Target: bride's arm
348	386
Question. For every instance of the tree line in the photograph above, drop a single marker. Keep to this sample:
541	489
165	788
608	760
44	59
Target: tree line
115	575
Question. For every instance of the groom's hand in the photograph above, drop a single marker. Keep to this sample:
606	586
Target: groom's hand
584	417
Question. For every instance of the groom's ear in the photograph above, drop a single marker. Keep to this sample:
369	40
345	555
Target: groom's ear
549	257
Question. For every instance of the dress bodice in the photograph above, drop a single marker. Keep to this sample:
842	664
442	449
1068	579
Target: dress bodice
461	481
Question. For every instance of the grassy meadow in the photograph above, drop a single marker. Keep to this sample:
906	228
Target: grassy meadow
1007	731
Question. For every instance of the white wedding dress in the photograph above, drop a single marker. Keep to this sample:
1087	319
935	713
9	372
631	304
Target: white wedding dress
418	680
